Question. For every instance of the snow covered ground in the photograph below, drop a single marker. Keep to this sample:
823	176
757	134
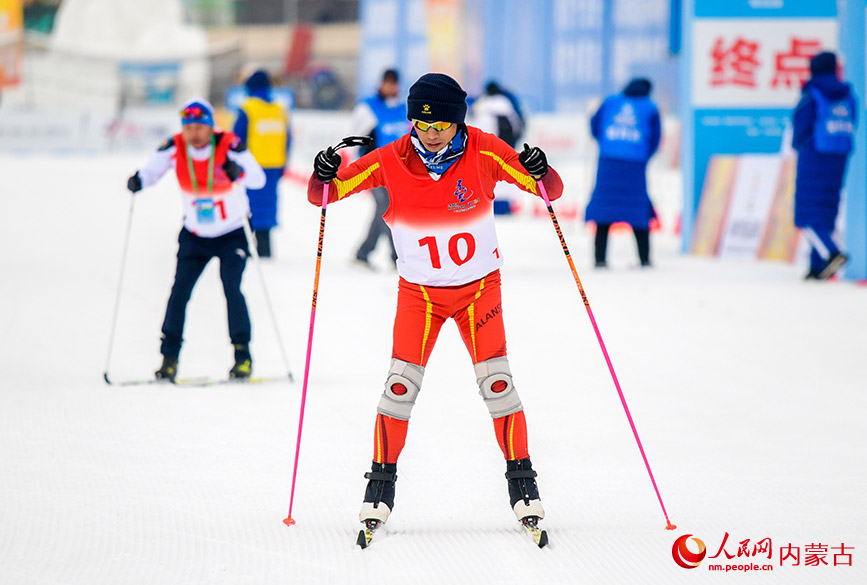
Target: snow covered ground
747	386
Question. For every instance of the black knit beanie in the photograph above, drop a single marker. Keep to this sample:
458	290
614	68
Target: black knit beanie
823	63
436	97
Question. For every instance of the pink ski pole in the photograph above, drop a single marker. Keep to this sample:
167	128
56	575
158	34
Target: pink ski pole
289	521
350	141
669	525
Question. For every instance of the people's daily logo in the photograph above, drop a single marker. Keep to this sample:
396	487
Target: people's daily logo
756	555
685	557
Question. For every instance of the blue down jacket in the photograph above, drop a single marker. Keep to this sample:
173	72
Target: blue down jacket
620	193
820	175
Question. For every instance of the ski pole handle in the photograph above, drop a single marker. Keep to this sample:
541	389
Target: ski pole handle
544	193
348	142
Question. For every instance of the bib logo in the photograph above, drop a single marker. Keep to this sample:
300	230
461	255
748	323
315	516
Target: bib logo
463	195
685	557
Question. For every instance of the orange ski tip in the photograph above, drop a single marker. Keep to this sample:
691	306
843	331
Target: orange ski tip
671	526
288	521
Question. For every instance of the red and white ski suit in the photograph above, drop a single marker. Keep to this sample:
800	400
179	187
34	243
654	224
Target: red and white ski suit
448	257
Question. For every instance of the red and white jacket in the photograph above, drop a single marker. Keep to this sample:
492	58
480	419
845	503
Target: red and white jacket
207	213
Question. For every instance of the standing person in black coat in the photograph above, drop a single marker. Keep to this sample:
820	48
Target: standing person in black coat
824	127
628	130
499	112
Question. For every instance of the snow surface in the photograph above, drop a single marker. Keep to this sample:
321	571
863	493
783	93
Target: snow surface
746	385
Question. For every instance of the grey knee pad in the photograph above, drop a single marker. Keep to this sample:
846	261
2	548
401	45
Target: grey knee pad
504	402
393	403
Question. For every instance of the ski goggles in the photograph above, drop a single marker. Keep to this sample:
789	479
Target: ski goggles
196	114
425	126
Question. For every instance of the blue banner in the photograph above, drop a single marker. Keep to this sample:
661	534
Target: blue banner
854	22
393	35
742	68
556	54
736	131
765	9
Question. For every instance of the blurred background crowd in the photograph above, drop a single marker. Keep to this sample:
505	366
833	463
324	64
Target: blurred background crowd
108	75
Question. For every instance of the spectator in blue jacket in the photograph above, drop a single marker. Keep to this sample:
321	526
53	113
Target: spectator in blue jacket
381	116
824	127
263	125
628	129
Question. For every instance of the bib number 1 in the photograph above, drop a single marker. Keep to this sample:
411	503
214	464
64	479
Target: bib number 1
461	248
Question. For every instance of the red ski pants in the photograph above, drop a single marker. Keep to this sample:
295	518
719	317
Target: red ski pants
422	310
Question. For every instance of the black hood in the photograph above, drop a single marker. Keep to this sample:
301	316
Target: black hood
638	87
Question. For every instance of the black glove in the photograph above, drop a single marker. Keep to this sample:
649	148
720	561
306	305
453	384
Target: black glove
232	169
534	161
134	183
326	164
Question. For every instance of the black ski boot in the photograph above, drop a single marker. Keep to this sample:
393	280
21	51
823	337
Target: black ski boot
243	363
523	492
263	243
379	495
168	370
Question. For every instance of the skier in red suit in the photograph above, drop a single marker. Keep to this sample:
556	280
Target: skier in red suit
440	179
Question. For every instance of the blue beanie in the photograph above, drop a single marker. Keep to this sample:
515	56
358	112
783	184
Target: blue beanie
197	111
436	97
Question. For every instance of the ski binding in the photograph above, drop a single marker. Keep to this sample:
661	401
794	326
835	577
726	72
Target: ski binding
531	525
365	535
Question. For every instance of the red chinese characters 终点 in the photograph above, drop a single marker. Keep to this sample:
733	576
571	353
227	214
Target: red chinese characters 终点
735	64
792	68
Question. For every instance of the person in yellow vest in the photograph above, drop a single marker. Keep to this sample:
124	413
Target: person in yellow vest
263	125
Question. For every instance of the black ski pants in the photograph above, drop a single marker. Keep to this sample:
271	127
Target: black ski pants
194	253
642	240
